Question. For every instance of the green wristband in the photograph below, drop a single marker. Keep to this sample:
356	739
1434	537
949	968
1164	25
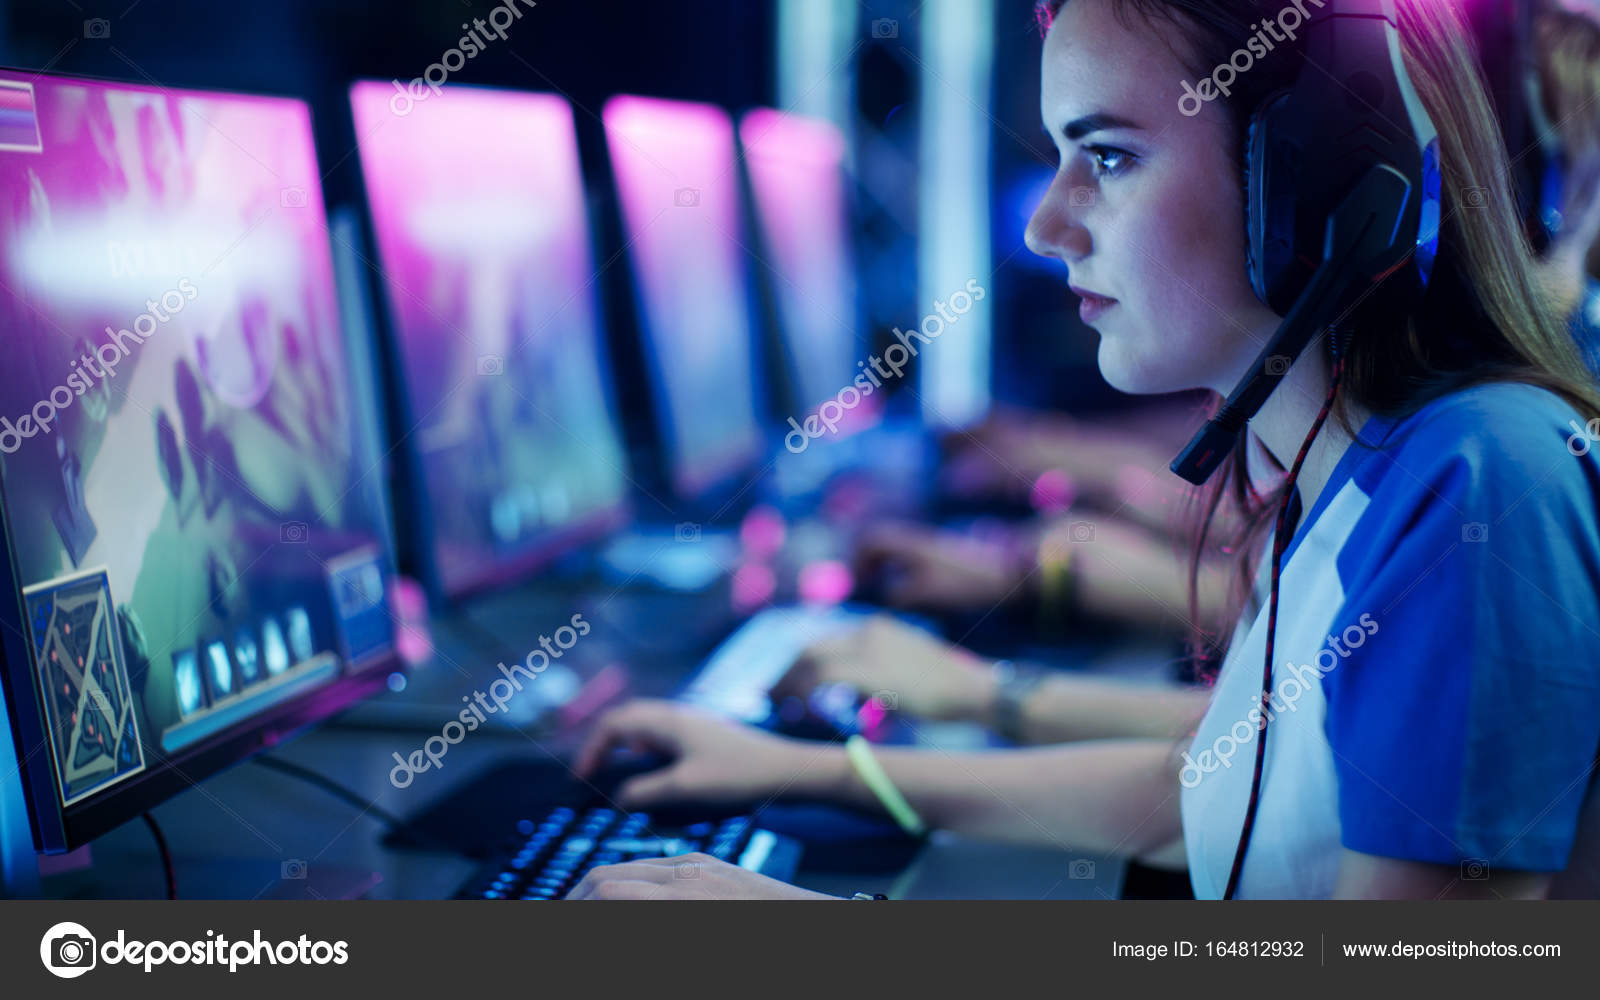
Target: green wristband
877	780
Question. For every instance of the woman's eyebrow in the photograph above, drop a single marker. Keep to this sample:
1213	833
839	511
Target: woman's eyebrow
1097	122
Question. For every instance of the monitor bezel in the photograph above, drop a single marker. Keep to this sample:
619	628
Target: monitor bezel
710	485
860	332
414	507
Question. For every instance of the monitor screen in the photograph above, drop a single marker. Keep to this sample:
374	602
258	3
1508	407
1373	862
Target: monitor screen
478	208
797	175
678	183
194	556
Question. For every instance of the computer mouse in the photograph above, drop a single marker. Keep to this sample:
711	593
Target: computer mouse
603	785
622	764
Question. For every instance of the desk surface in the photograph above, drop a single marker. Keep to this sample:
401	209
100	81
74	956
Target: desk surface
252	833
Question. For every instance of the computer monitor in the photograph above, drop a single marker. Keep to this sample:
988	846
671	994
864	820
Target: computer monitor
478	210
192	567
678	184
796	168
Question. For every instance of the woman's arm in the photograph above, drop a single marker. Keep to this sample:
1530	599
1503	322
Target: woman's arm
1113	797
1065	708
1106	797
1365	876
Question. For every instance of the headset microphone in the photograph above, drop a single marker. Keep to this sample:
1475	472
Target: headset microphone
1343	195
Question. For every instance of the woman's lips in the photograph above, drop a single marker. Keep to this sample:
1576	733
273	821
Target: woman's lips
1093	306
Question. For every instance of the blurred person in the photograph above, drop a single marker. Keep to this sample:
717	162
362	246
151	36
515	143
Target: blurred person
1566	109
1436	609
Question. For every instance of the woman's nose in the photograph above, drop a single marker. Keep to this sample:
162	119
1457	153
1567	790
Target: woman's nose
1056	229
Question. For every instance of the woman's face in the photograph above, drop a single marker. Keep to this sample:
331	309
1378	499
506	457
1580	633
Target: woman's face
1147	207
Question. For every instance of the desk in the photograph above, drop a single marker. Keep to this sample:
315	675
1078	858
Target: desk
251	833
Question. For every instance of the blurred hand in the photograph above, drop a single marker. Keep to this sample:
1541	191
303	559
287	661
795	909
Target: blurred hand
910	670
1563	266
1007	453
936	571
688	876
715	760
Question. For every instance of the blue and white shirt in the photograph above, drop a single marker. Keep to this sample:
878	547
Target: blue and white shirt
1437	678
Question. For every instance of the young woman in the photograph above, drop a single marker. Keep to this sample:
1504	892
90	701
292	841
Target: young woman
1435	715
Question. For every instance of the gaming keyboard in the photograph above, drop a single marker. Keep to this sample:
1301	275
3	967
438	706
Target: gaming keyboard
549	858
736	678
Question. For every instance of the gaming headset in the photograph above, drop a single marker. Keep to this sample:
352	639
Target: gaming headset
1342	204
1343	189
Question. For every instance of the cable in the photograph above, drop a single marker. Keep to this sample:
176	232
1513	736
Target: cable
1280	542
394	824
166	855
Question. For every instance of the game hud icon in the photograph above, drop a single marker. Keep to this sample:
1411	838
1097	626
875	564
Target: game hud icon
219	671
275	651
186	675
77	652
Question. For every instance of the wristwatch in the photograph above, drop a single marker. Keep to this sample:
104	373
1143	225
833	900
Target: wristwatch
1014	683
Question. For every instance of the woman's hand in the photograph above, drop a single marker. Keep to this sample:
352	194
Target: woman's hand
906	668
688	876
937	571
715	760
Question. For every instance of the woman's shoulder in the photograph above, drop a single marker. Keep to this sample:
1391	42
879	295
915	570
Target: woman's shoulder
1508	454
1495	427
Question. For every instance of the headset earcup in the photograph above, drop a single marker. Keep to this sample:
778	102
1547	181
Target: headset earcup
1252	266
1257	217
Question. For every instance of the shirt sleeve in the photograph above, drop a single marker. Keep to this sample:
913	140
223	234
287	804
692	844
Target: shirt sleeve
1465	719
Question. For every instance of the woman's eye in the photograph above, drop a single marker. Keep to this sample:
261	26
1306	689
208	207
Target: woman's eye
1109	161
